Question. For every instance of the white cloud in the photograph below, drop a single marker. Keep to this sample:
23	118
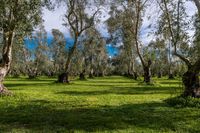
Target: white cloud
190	8
149	24
54	20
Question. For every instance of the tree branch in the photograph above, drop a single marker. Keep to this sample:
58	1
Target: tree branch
175	39
136	32
91	21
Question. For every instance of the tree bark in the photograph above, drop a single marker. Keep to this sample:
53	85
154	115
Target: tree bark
6	59
64	77
91	74
82	75
171	76
146	66
135	75
191	83
159	74
3	72
147	74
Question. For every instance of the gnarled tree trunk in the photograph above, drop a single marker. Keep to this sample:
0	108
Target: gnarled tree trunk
191	83
6	59
64	77
190	78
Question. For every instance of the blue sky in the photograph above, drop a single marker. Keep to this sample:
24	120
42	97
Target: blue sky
30	44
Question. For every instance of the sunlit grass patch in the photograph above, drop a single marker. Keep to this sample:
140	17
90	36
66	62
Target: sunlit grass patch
108	104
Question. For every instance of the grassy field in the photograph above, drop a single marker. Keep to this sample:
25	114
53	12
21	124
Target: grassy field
109	104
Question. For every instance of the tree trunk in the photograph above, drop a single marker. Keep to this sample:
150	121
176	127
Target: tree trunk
171	76
128	74
6	60
82	75
63	78
147	74
32	72
191	83
30	76
3	72
100	74
159	74
135	75
190	78
91	74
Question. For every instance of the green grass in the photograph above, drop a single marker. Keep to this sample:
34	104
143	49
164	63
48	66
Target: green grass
109	104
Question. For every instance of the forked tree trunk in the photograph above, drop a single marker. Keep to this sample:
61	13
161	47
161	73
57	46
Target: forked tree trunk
191	84
64	77
147	74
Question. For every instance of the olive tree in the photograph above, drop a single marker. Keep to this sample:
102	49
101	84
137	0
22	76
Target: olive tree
175	25
16	16
78	20
58	51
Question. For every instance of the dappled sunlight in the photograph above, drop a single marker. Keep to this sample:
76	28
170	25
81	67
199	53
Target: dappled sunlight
40	115
86	107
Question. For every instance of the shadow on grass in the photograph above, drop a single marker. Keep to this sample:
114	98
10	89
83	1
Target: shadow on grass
37	117
126	91
30	80
28	84
111	82
171	83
